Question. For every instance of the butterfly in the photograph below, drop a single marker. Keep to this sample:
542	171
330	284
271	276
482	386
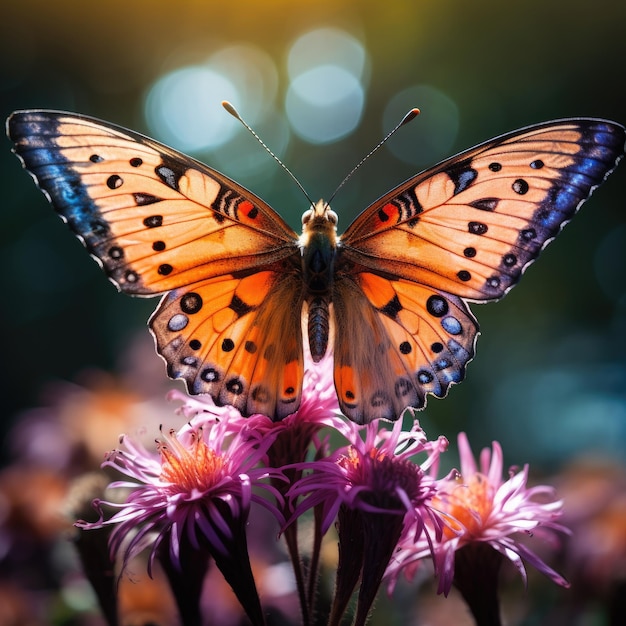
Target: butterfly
242	292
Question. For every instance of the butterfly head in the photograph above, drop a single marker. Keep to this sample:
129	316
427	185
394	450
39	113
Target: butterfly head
319	219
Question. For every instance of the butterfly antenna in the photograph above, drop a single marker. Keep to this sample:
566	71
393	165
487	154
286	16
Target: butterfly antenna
233	111
411	115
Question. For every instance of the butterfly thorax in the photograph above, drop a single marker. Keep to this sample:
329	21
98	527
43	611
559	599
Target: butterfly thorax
318	244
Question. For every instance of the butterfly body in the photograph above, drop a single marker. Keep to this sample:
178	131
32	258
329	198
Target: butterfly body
242	292
319	252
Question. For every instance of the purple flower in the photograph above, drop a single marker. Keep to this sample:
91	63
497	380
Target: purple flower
193	495
374	473
378	493
485	518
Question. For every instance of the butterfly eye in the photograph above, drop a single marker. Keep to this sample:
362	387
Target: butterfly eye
306	216
331	216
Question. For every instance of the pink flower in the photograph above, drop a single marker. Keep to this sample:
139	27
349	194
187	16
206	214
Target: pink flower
377	493
193	494
374	473
484	513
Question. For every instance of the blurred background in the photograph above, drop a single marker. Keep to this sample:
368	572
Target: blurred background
322	82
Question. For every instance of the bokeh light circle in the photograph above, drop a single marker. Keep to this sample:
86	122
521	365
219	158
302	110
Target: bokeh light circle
254	74
324	104
328	71
183	108
327	46
432	135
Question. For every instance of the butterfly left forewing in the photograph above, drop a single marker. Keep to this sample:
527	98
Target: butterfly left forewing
154	219
472	224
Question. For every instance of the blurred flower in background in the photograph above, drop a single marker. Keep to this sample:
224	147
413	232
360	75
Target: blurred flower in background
55	454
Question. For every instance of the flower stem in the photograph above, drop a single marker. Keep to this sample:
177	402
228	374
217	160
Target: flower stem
351	554
476	569
381	533
186	578
315	557
99	569
291	539
235	564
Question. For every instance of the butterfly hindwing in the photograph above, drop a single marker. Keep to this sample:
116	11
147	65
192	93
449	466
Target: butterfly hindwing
395	342
233	338
472	224
155	219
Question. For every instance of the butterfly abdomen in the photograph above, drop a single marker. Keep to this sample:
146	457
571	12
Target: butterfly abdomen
318	327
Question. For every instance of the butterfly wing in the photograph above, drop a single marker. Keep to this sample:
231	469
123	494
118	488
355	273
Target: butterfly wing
472	224
158	222
389	352
154	219
464	230
238	339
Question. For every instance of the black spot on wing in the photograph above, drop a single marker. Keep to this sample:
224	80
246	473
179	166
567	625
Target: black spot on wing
143	199
437	306
114	181
469	252
462	175
392	308
170	173
485	204
239	306
191	303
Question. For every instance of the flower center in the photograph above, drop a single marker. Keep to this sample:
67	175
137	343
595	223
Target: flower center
471	504
385	476
196	467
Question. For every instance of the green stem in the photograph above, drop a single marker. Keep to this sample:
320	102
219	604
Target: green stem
291	539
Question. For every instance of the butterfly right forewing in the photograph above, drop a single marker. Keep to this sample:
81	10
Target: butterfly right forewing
472	224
